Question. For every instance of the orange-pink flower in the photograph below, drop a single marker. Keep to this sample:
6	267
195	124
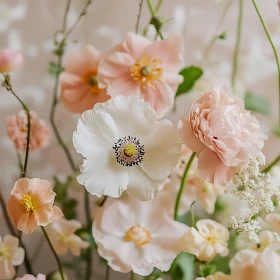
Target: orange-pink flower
31	204
79	85
10	61
17	131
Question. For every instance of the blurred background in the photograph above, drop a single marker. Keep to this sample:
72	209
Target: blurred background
29	26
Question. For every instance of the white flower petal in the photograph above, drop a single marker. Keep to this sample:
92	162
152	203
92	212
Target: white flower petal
7	271
162	150
18	256
140	185
104	176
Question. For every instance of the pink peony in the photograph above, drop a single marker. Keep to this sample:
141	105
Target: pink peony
222	133
139	67
10	61
79	85
31	277
17	131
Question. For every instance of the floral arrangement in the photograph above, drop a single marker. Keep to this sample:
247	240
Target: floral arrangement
153	188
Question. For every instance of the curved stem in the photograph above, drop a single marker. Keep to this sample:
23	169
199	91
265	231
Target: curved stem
183	184
107	277
273	48
139	15
54	253
153	13
237	45
89	229
131	275
269	167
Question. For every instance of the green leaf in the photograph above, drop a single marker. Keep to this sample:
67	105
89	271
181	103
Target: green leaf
206	270
183	267
257	104
191	75
55	69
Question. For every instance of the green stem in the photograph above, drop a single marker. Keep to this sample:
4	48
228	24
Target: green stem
273	48
54	253
153	13
269	167
183	184
192	215
158	5
89	229
237	45
107	277
139	16
131	275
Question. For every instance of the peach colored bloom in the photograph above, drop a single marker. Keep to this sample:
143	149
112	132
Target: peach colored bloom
10	255
137	235
139	67
222	133
216	276
79	85
209	240
63	237
31	277
17	131
251	265
274	220
31	204
10	61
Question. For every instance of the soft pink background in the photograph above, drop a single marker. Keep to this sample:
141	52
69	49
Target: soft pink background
28	25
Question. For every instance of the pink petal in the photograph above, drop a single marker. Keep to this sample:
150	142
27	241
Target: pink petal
57	214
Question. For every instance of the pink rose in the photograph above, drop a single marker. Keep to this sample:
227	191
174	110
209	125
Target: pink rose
222	133
10	61
17	131
140	67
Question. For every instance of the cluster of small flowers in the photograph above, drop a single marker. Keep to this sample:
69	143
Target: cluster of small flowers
259	190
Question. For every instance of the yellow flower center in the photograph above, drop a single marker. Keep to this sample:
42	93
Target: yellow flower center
211	239
130	150
63	238
140	236
146	70
90	79
4	253
27	202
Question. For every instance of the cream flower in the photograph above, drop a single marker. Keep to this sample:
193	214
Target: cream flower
251	265
63	237
31	277
125	148
136	235
10	255
216	276
209	240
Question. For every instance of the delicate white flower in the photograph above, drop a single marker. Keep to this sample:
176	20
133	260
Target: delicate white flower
209	240
137	235
10	255
126	148
63	237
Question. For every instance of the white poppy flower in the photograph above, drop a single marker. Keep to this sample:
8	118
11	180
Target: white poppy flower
10	255
126	148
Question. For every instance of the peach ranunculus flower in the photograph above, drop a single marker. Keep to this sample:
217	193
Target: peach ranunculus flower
79	84
17	131
63	237
216	276
274	220
140	67
10	255
222	133
31	277
31	204
137	235
10	61
209	240
251	265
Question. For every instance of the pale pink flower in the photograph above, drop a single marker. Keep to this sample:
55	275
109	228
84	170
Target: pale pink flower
10	61
17	131
216	276
63	237
79	84
137	236
274	220
140	67
252	265
10	255
207	241
31	204
31	277
222	133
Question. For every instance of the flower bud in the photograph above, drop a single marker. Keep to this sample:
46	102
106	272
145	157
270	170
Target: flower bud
10	61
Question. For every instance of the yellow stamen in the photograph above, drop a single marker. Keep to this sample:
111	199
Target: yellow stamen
90	79
140	236
4	253
27	202
130	150
211	239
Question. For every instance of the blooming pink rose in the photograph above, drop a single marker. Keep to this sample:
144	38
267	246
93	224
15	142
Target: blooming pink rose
31	277
17	131
222	133
139	67
79	85
10	61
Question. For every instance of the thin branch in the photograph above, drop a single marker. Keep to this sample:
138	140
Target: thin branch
139	15
153	13
269	167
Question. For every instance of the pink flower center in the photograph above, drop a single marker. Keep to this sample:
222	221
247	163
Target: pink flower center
146	70
139	235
